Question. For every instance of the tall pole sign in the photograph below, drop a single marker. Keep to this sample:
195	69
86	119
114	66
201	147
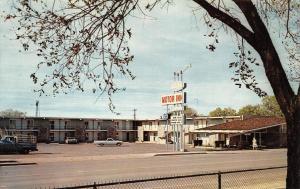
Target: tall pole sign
177	100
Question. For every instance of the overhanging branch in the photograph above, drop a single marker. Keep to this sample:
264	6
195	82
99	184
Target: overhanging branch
228	20
272	64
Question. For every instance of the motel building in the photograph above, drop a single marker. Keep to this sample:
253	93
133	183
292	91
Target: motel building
57	129
228	131
259	132
155	130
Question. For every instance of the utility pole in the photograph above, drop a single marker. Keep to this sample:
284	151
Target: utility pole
134	113
36	108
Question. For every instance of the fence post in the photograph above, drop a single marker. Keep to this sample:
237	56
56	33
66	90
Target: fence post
219	180
94	187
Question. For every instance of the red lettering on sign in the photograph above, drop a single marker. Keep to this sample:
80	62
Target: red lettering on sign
178	98
164	99
172	99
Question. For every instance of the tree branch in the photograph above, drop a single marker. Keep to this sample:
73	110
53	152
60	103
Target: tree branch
272	64
228	20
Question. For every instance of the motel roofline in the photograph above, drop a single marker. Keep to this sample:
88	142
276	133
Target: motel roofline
244	126
71	118
236	131
117	119
199	118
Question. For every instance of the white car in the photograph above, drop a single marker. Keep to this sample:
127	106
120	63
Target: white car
108	141
71	140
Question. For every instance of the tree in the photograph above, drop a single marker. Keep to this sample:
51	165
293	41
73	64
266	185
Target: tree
268	107
79	37
191	112
12	113
222	112
251	110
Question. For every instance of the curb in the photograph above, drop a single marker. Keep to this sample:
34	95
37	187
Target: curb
15	164
7	161
179	153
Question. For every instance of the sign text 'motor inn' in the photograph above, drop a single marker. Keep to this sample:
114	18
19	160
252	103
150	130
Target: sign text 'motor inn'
177	98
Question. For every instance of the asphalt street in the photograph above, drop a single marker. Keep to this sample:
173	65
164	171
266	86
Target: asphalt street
67	170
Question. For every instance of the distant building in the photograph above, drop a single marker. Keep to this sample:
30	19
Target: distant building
265	131
155	130
56	129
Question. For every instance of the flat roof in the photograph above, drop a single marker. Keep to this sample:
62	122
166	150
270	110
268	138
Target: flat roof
70	118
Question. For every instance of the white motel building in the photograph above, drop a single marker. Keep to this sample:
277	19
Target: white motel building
155	131
56	129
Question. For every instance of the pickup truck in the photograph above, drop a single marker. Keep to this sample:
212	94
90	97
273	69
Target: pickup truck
71	140
18	144
108	141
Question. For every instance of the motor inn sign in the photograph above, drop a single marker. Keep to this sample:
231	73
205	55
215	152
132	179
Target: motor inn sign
177	98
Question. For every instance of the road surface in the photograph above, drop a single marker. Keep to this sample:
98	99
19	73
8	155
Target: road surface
78	170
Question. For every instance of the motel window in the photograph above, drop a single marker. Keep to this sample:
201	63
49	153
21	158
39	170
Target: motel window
66	125
196	123
51	136
12	124
86	124
203	123
99	124
29	123
51	125
117	125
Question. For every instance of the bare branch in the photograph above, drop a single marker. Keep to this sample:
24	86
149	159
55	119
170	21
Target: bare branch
228	20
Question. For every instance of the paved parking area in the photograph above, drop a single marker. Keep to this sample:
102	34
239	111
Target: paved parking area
66	165
54	150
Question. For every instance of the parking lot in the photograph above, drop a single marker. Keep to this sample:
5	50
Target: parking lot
66	164
55	151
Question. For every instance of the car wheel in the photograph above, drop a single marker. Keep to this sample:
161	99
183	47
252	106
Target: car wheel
118	144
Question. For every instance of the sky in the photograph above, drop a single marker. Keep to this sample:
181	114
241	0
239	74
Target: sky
166	42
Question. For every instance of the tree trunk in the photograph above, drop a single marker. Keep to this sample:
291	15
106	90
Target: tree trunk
293	142
258	37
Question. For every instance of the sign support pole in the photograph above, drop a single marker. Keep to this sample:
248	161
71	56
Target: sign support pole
167	134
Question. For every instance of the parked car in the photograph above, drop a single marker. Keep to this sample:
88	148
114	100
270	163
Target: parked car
71	140
108	141
18	144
